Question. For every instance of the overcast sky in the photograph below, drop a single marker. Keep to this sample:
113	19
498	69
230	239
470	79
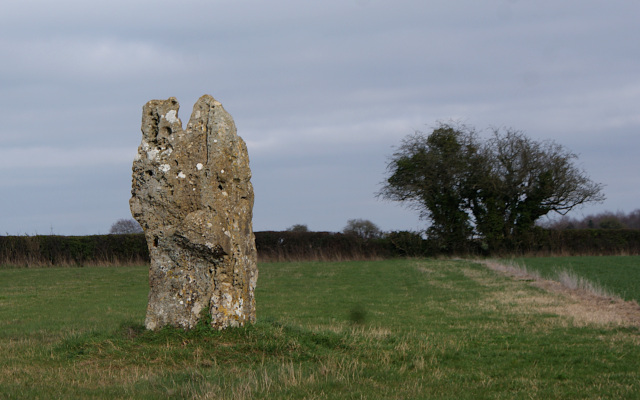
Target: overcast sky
320	91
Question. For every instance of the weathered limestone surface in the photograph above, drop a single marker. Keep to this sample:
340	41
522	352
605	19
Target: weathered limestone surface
192	194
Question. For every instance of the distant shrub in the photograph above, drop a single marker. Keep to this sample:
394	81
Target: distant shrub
581	242
362	228
53	250
322	246
406	243
125	226
298	228
611	223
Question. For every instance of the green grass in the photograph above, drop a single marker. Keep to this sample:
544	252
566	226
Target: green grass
616	274
378	330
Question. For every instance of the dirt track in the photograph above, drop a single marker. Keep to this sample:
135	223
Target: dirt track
583	306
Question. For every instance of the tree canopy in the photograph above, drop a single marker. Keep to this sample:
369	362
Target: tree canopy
494	189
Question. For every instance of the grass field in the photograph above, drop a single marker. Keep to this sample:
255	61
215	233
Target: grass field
619	275
401	329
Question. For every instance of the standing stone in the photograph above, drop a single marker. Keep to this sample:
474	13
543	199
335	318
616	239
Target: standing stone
192	195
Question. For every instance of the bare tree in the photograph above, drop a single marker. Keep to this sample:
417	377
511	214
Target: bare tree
124	226
603	220
362	228
298	228
632	220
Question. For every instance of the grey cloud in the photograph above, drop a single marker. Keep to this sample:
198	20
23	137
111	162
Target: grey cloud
321	91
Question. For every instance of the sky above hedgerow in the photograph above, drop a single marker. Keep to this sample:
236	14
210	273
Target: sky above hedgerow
320	91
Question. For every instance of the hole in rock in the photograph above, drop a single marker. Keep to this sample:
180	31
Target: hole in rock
166	131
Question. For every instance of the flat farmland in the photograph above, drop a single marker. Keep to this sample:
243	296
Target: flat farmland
398	329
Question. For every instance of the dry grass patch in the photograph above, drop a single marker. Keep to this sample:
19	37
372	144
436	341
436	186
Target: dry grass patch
575	298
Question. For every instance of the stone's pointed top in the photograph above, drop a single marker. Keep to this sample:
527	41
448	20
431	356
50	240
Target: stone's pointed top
210	100
192	194
209	115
